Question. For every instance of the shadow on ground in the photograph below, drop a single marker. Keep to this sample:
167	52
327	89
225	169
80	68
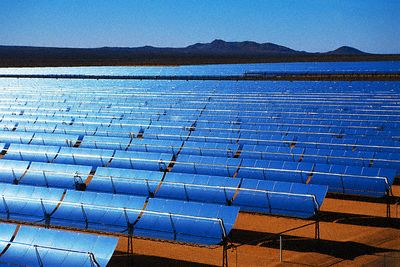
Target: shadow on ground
360	220
344	250
122	259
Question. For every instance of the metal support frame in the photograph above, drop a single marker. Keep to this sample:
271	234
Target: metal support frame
93	262
279	235
225	248
6	207
387	196
317	233
84	216
45	179
280	249
129	250
39	259
15	180
79	183
46	215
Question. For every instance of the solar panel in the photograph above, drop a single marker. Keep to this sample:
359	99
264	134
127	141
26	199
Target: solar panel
288	199
54	139
373	182
125	181
197	222
76	129
156	146
84	156
12	137
12	170
163	219
6	234
284	153
117	131
275	170
206	165
166	133
105	142
248	194
34	246
6	125
99	211
56	175
18	202
36	127
141	160
210	149
201	188
32	152
94	121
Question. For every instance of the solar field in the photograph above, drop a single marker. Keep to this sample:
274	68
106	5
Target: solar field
198	172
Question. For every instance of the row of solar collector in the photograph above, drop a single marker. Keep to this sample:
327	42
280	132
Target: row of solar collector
101	90
195	97
281	152
37	246
337	111
209	111
206	113
257	123
200	125
249	108
256	104
222	136
177	118
190	222
340	178
105	86
277	152
206	128
123	95
281	198
125	128
341	111
385	123
255	137
364	103
230	99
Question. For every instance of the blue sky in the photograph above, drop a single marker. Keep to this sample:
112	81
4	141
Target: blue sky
310	25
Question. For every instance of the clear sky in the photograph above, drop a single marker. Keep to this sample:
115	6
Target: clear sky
310	25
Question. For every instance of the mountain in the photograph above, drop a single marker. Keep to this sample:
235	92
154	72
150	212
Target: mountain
346	50
218	51
246	47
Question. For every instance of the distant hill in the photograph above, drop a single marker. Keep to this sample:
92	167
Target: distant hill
218	51
247	47
346	50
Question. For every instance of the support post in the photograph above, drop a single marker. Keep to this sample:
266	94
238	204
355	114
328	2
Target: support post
388	215
280	249
46	215
39	259
225	254
129	250
317	235
93	262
